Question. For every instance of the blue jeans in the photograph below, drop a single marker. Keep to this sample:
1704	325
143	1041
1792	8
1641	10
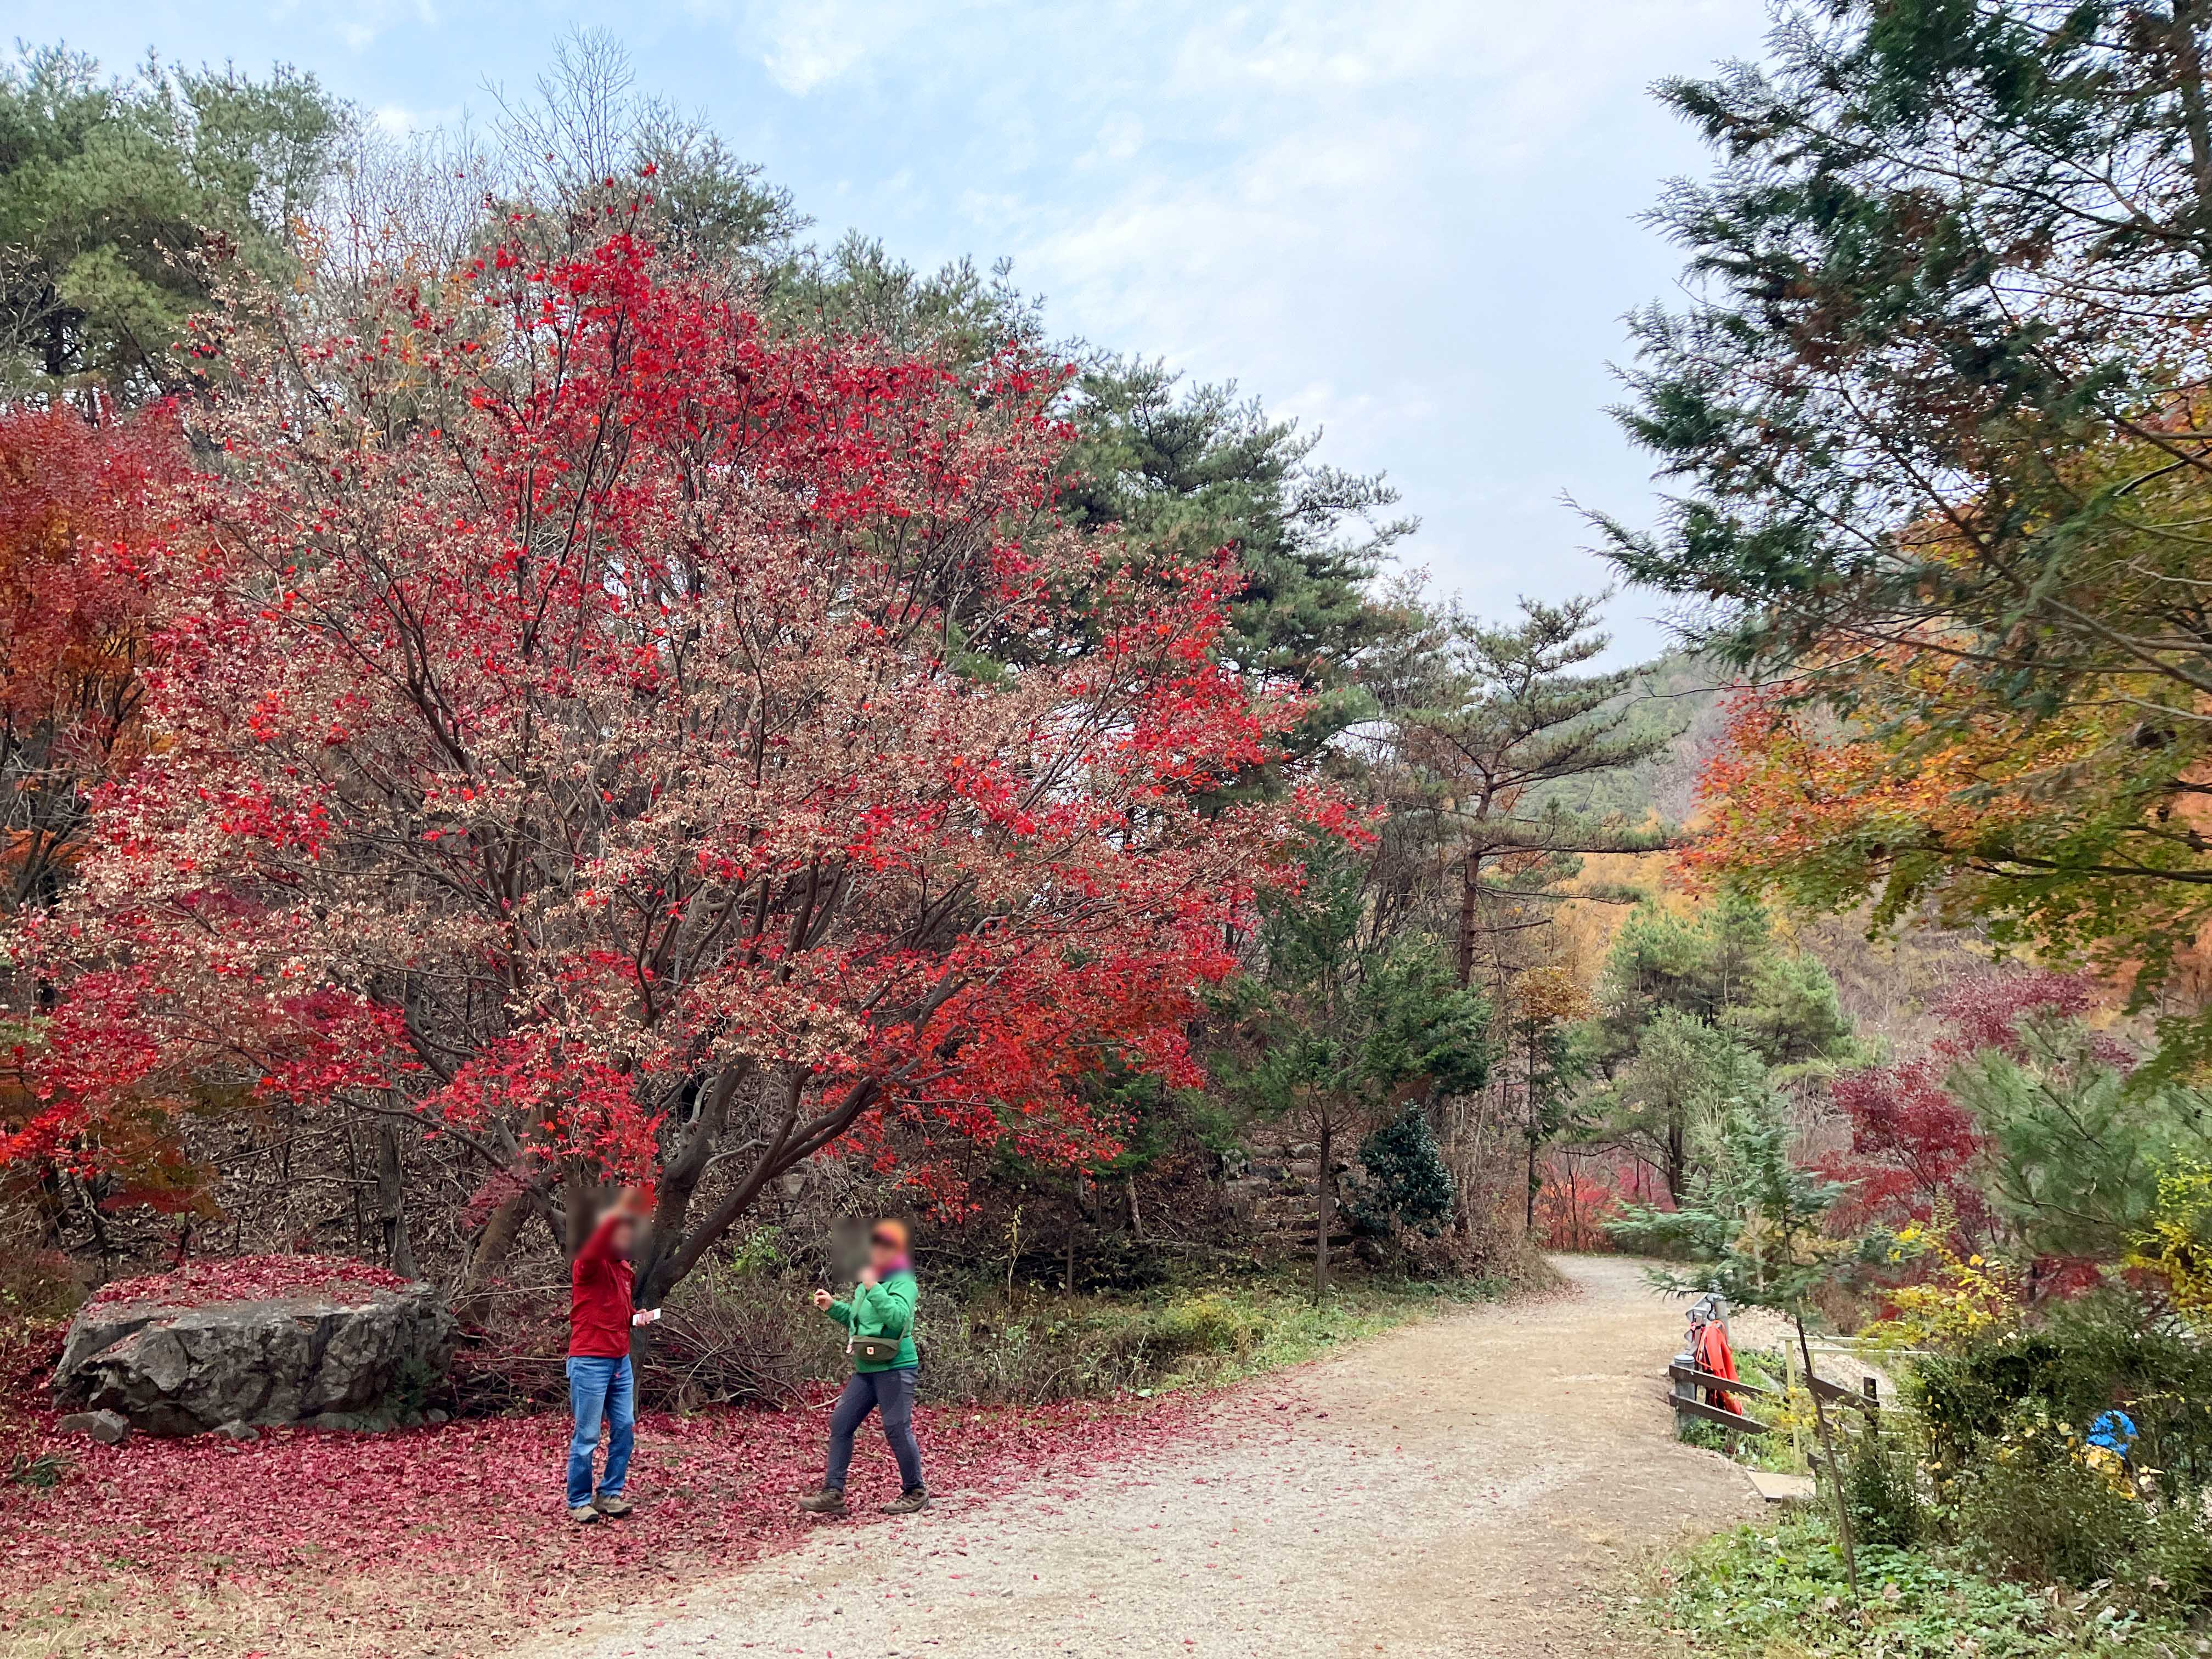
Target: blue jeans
890	1393
600	1391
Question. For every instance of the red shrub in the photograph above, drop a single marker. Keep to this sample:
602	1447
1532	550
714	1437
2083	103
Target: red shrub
1584	1191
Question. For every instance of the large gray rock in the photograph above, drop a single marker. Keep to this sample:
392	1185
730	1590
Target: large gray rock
183	1371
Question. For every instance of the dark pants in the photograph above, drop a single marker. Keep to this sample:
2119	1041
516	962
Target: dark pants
890	1393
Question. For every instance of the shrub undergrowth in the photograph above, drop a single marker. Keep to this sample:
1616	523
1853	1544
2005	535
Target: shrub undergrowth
1778	1592
1032	1345
1994	1515
744	1331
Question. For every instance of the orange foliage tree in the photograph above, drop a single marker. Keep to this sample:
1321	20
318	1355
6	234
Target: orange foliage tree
2077	831
79	501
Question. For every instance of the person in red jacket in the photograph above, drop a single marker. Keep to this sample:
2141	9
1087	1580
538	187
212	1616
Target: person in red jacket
602	1388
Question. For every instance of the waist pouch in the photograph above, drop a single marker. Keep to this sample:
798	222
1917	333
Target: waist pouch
874	1350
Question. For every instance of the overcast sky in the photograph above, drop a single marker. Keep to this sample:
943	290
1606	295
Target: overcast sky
1411	222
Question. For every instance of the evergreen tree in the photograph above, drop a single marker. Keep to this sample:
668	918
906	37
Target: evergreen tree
1755	1224
1178	471
1407	1182
1338	1028
2075	1145
1673	1087
1719	965
1507	714
1935	411
955	314
122	202
1694	1011
1189	470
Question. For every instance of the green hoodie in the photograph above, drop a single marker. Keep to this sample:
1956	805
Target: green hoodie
885	1309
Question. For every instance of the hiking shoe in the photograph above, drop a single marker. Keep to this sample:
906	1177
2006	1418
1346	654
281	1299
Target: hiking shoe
584	1515
830	1500
613	1505
913	1501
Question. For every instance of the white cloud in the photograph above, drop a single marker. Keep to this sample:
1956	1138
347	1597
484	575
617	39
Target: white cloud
399	121
368	20
1120	136
807	45
1375	217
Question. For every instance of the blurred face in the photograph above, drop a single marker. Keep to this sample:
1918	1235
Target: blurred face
886	1247
624	1237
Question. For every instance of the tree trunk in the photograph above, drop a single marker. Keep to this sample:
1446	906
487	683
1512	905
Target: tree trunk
581	1200
353	1187
493	1247
1074	1221
1325	1205
391	1201
1470	893
1535	1119
681	1174
1528	1222
672	1246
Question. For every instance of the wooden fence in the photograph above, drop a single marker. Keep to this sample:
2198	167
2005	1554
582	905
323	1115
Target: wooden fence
1688	1381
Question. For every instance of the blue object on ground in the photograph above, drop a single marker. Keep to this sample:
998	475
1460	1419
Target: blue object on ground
2114	1431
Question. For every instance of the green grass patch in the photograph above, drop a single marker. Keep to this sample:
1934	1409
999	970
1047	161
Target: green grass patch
1293	1328
1037	1344
1771	1592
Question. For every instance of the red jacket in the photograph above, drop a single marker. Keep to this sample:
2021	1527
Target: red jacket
1716	1359
599	1300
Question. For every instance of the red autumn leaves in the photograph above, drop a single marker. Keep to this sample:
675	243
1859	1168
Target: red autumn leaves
247	1278
423	1511
573	701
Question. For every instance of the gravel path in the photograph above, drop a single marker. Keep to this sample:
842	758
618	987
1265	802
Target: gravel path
1468	1485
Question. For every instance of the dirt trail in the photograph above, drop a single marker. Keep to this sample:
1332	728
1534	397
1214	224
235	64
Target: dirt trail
1469	1485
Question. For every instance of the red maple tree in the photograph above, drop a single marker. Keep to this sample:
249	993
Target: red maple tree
80	502
1915	1147
1912	1152
634	745
84	504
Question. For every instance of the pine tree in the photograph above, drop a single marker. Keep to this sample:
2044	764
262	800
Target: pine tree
1338	1026
1934	415
122	202
1508	713
1187	471
1694	1009
1755	1224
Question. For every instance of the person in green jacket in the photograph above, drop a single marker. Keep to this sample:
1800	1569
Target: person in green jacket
882	1308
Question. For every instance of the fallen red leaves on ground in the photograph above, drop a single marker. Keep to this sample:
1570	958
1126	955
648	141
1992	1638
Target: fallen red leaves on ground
247	1278
296	1518
295	1511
